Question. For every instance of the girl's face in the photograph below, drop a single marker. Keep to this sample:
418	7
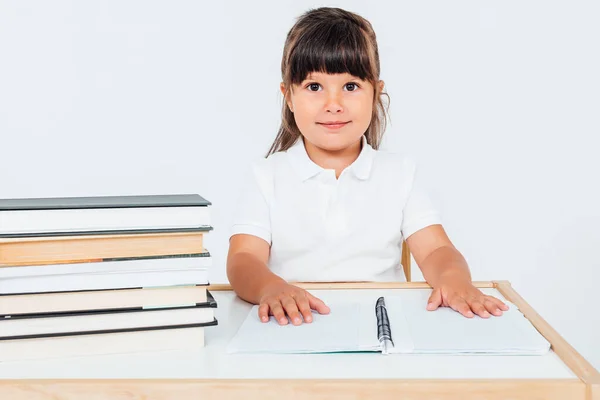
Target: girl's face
332	111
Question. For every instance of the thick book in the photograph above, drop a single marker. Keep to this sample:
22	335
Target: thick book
70	249
103	213
353	326
101	299
45	324
190	337
119	273
109	265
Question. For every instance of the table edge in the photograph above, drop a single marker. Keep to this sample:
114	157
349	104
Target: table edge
295	388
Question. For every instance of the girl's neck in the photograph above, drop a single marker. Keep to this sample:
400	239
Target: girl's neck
337	160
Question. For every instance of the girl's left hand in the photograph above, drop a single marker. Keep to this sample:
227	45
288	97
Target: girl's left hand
464	298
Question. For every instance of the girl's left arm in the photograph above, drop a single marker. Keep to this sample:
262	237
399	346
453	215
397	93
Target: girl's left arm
446	270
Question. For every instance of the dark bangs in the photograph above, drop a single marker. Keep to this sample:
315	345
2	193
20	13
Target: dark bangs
331	41
333	48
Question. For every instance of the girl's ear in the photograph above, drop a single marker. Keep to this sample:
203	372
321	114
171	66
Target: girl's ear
286	98
381	85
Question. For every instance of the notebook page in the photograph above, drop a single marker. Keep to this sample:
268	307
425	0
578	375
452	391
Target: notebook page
401	335
336	331
446	331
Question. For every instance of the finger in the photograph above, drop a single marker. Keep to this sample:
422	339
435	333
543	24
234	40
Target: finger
492	307
478	308
277	311
317	304
289	304
304	308
435	300
459	304
263	312
499	303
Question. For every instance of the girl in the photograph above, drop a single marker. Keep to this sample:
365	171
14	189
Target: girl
325	204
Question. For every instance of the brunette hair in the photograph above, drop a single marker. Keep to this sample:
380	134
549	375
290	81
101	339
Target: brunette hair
331	40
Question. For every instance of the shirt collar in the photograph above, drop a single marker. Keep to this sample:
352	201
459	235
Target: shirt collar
306	168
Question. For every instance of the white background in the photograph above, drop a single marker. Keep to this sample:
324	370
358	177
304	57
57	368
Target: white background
498	102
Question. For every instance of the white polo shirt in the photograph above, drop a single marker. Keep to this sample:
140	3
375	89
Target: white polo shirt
325	229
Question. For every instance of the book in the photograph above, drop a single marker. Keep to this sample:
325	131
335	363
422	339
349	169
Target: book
108	265
118	273
41	250
204	229
101	299
352	326
96	281
189	338
37	325
103	213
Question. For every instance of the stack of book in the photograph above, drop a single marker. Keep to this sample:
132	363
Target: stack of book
101	275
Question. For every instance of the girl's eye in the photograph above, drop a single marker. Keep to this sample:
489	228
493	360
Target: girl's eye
351	87
354	85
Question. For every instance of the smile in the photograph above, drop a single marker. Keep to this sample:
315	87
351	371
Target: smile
334	126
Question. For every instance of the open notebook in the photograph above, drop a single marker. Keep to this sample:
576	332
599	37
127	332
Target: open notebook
352	326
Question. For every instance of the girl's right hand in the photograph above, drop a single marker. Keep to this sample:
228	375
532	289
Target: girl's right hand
281	298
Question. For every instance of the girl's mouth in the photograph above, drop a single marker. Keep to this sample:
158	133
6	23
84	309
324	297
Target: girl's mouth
334	126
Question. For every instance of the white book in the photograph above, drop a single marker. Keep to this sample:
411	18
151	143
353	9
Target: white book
189	338
111	274
103	213
101	321
117	265
55	302
352	325
99	281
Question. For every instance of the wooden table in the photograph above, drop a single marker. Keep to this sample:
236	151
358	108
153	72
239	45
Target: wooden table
212	373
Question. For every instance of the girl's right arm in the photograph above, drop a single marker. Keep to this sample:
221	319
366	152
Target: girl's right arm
252	280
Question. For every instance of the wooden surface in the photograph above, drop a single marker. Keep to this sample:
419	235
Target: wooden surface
579	365
356	285
583	387
293	389
405	261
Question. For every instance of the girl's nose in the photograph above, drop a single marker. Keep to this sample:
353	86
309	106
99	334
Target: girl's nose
334	103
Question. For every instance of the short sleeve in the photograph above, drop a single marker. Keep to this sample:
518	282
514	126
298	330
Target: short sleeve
419	210
252	214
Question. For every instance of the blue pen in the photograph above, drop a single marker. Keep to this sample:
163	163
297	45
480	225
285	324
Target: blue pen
384	333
